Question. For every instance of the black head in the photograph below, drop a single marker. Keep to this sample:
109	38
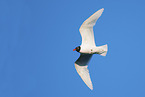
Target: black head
77	49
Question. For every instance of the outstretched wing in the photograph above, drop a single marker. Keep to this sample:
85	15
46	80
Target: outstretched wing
86	29
81	67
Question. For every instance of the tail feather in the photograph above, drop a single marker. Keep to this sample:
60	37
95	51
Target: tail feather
103	49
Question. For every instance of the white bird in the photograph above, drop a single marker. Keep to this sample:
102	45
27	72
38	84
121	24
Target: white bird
88	48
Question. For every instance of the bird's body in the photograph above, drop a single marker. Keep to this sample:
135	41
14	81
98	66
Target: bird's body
88	48
93	50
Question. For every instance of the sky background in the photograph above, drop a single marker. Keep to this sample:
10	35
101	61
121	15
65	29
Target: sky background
37	38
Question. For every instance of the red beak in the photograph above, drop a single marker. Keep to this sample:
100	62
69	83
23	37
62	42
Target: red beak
74	49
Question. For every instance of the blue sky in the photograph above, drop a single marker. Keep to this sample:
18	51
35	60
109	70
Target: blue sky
37	38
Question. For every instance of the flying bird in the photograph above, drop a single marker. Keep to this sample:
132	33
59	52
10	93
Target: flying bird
88	48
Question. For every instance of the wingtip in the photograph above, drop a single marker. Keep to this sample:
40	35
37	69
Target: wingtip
91	88
102	9
90	85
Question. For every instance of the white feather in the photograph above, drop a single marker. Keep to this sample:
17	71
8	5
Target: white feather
86	30
84	74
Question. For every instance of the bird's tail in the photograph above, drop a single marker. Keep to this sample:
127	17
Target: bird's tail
103	50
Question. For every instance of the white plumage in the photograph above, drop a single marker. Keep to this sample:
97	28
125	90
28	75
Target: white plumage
88	48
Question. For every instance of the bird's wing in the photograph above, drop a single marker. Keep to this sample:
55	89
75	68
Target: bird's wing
81	67
86	29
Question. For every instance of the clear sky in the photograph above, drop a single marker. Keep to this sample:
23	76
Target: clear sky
37	38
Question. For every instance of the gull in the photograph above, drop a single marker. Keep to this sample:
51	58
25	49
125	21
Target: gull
88	48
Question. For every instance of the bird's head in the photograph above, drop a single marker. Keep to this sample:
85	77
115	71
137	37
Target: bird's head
77	49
